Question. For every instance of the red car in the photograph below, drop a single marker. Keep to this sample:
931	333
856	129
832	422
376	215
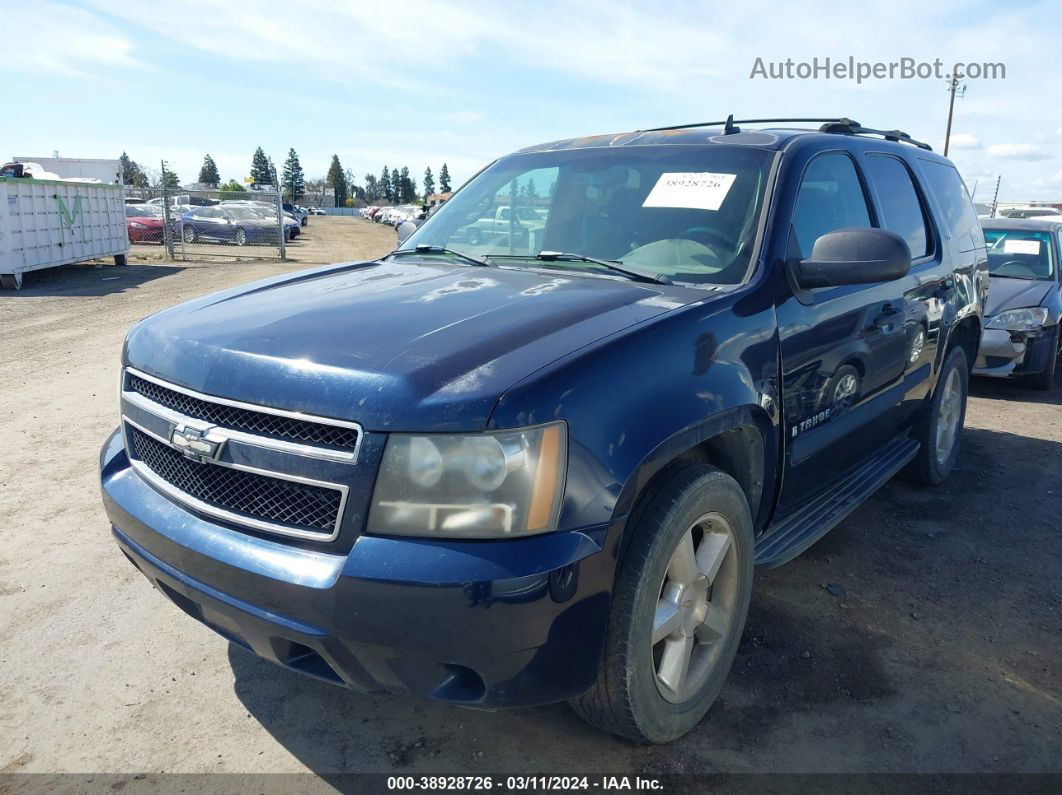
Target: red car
144	223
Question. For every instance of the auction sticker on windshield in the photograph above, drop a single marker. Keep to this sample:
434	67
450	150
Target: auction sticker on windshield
695	190
1021	246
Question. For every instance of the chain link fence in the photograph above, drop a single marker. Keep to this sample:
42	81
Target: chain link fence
182	224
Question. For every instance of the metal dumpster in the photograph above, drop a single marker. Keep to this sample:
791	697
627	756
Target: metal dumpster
45	223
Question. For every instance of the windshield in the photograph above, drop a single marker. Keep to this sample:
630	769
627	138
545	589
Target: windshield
141	211
1020	253
242	213
688	213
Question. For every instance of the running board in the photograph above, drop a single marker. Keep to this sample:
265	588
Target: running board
798	531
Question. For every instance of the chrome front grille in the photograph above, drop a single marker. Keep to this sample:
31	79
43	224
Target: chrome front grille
180	441
284	426
246	494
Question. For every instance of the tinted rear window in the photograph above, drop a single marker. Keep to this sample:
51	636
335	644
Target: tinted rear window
959	220
901	208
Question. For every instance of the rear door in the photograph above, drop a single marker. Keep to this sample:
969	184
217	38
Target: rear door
843	348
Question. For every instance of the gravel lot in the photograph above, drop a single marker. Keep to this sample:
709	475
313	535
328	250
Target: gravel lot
924	634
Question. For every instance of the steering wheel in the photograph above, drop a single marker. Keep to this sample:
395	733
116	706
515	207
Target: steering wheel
1021	267
709	236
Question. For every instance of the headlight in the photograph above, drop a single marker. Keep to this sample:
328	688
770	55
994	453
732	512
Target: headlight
1030	319
135	225
486	485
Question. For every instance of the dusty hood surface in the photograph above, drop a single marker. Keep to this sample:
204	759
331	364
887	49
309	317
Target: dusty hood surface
394	346
1006	293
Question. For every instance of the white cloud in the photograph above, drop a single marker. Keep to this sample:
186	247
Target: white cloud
58	38
1019	152
964	141
1052	181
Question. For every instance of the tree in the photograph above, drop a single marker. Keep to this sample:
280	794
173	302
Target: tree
261	173
208	174
396	186
372	188
444	180
231	190
168	179
294	180
386	185
407	189
131	173
337	181
429	183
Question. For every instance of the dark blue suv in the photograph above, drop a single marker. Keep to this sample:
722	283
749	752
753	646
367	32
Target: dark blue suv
543	466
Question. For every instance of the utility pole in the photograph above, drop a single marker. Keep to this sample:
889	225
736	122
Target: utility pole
995	197
954	87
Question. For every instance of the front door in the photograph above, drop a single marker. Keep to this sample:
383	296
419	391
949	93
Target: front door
843	349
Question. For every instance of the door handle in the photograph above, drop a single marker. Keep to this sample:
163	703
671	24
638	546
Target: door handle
886	316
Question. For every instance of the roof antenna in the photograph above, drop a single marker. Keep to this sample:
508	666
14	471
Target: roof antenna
729	128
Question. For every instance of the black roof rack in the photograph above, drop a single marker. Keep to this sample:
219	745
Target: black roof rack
842	126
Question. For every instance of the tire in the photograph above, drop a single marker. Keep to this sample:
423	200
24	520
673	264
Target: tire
188	234
936	457
11	281
473	236
240	238
120	259
1046	379
630	697
304	221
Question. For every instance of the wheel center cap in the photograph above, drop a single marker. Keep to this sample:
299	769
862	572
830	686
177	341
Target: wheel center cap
693	605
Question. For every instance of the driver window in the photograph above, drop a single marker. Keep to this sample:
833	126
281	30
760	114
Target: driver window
830	198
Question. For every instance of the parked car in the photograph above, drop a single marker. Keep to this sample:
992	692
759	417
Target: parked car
501	222
298	213
1024	307
144	223
499	477
240	225
1031	211
317	211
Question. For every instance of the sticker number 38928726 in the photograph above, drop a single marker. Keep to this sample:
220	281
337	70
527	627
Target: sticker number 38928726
695	190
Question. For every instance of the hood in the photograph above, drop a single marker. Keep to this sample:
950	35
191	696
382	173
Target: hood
394	346
1006	293
146	220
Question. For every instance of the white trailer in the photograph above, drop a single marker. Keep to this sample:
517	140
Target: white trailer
105	170
46	223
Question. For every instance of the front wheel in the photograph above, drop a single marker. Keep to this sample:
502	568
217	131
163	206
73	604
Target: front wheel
188	234
678	608
940	430
241	237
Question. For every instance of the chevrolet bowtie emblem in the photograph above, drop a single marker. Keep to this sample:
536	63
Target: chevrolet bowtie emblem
194	443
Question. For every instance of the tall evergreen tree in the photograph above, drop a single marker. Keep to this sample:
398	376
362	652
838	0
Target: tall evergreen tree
372	188
261	173
294	180
405	186
429	183
208	174
444	180
336	179
385	184
131	173
396	186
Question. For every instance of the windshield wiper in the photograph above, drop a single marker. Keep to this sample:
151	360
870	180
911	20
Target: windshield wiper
613	265
424	248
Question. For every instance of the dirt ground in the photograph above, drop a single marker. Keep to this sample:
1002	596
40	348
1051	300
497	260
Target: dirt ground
924	634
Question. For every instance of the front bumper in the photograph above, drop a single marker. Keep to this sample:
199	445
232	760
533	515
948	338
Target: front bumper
1003	354
481	623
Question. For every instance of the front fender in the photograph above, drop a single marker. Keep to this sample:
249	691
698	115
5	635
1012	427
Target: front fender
637	399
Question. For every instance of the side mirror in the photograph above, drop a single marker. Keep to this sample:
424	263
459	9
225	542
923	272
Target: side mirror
854	256
405	229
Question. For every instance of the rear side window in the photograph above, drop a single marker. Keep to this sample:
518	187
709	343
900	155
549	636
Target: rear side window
830	198
901	208
959	219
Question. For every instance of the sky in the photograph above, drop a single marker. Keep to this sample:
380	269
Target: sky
421	83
